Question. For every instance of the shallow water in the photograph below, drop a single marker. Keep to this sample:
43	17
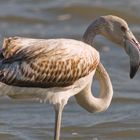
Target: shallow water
61	18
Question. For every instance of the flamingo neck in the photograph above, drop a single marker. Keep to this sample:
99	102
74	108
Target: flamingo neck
106	89
97	104
93	30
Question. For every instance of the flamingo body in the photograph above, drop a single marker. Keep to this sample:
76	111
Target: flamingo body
46	69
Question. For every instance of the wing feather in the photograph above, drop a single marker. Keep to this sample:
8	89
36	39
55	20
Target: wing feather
45	63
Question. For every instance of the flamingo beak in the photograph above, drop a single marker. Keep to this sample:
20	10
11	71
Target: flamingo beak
132	48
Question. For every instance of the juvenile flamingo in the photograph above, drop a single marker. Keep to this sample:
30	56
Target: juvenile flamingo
55	69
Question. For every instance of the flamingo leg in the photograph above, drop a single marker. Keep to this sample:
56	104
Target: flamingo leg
58	116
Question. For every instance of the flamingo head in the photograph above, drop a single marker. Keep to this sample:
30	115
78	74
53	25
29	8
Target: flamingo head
117	30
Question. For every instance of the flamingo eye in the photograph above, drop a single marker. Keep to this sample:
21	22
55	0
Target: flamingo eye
123	29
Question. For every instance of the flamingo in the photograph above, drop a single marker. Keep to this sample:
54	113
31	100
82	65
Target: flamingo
54	70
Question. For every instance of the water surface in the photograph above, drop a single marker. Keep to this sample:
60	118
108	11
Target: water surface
62	18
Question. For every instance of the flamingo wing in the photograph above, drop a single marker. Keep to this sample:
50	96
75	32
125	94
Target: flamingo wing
44	63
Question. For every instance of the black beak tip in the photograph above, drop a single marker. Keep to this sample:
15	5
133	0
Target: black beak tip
131	76
133	71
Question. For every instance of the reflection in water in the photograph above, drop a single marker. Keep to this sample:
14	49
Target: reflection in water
60	18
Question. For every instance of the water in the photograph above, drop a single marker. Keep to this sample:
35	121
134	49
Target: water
61	18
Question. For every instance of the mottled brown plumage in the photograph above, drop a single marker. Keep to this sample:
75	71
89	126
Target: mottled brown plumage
35	63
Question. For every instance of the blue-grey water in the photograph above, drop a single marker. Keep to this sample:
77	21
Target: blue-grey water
30	120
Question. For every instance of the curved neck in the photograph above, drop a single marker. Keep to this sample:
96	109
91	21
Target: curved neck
91	103
93	30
